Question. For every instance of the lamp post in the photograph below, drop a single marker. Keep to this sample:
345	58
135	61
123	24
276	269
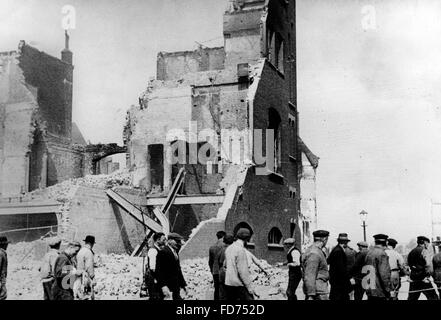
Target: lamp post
363	217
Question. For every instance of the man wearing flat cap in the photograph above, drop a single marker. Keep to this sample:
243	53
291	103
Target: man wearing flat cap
378	270
356	271
315	268
397	269
168	269
48	266
237	274
338	270
3	267
421	269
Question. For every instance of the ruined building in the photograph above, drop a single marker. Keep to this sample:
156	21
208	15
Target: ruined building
228	105
36	147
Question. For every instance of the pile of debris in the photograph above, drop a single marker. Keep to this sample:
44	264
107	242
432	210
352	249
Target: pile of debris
65	191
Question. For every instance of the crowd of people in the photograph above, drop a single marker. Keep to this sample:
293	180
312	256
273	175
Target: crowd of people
340	275
66	274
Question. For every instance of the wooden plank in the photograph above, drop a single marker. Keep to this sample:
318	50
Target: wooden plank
134	211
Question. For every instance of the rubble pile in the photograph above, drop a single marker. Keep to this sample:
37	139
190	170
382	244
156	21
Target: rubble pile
65	191
118	277
23	277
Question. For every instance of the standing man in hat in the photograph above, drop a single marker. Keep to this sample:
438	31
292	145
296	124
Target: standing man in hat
315	268
86	265
356	271
48	266
294	268
213	252
237	275
159	240
396	263
3	267
65	273
377	264
168	269
338	270
421	269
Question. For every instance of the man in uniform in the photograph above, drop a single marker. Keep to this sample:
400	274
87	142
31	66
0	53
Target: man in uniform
396	263
65	273
3	267
294	267
421	269
213	252
338	270
48	266
378	286
356	271
315	268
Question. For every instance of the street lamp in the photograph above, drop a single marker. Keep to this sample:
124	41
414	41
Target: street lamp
363	217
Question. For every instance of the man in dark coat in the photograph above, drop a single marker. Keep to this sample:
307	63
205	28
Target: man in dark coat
338	270
377	271
420	270
228	239
356	272
3	267
168	269
65	273
213	253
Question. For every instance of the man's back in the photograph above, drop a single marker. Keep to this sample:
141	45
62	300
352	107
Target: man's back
48	264
213	253
378	259
85	261
315	271
237	267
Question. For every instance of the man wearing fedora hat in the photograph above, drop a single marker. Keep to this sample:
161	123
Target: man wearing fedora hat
338	270
3	267
86	265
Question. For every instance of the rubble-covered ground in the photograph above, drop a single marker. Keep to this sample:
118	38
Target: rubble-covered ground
119	277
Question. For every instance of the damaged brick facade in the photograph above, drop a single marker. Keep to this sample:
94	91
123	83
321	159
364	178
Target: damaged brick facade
248	84
36	117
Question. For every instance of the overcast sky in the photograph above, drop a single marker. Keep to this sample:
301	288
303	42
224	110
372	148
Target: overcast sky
369	99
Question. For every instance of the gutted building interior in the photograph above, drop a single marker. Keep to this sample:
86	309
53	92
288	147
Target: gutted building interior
213	112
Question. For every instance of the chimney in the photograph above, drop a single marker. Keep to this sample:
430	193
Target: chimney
66	54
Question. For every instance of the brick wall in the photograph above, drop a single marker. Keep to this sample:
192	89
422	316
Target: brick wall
52	77
175	65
